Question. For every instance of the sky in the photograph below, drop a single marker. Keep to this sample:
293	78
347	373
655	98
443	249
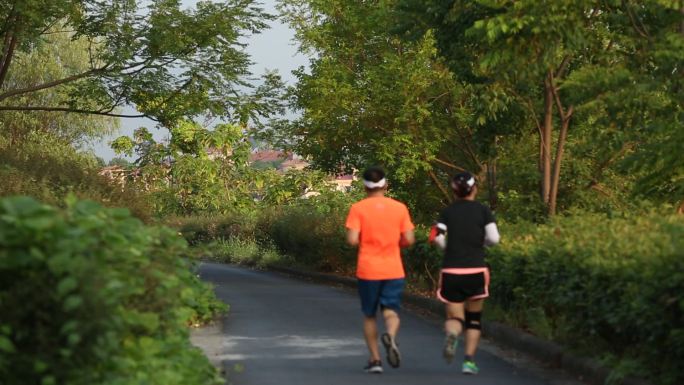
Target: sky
272	49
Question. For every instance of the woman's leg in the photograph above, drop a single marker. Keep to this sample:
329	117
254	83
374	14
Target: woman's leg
454	318
473	311
453	326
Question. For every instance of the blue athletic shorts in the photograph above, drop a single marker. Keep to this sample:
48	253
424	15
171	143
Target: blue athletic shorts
383	293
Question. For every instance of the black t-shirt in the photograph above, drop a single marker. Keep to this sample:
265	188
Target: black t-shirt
465	221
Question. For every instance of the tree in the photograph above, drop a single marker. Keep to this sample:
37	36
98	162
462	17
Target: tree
167	62
201	170
372	98
56	58
545	56
120	162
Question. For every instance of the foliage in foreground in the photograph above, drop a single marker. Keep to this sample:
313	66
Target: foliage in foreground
90	295
612	283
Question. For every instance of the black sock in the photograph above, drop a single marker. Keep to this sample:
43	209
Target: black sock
468	358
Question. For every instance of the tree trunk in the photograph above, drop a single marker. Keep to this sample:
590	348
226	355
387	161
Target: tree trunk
439	185
491	184
492	187
9	32
8	54
546	137
557	162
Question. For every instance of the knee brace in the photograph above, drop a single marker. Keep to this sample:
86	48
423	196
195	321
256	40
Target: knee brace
472	320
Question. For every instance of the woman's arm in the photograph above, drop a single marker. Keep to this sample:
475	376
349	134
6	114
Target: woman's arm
492	236
438	235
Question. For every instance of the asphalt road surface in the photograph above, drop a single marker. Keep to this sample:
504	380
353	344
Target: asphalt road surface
284	331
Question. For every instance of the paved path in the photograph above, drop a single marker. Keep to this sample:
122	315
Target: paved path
283	331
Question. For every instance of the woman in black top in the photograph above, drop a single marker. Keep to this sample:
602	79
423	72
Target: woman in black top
462	231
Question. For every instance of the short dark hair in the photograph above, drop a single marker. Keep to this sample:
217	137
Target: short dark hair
374	174
463	184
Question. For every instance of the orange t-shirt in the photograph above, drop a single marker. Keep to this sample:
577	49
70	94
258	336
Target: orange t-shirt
380	221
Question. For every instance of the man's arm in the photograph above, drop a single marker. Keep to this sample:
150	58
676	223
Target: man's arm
353	237
408	238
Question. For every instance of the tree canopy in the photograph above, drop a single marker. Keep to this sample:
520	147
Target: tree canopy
166	61
555	105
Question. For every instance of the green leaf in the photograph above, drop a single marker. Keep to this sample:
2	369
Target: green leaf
6	345
66	285
72	302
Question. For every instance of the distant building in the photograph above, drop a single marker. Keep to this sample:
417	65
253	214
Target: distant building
344	182
293	162
115	174
267	156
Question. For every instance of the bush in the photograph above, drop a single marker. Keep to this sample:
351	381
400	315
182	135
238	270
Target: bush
243	251
611	284
422	263
311	232
49	169
200	229
90	295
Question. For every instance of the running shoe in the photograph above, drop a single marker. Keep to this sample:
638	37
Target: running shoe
450	345
469	367
393	356
373	367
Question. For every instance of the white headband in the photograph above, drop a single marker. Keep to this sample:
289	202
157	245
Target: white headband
380	183
471	182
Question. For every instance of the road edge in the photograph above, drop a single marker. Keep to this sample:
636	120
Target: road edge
550	353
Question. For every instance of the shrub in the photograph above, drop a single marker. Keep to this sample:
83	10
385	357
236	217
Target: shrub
48	170
613	284
90	295
422	263
199	229
243	251
311	232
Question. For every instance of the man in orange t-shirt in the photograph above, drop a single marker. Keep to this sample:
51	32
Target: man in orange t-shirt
379	226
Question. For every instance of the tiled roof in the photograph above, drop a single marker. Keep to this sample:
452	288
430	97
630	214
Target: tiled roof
267	156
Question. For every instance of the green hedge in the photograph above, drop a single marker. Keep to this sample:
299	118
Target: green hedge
312	238
310	232
90	295
601	284
201	229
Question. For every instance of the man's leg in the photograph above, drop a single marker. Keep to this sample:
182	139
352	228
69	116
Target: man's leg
392	321
369	292
390	300
370	333
388	339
